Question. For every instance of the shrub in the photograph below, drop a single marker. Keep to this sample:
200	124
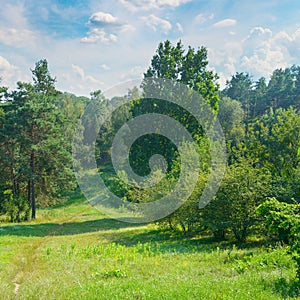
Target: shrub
283	220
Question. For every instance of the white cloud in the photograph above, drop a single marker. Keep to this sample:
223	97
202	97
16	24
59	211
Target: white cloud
15	37
7	71
101	18
179	27
9	74
153	22
225	23
85	78
99	35
264	52
126	28
104	28
135	5
202	18
78	71
14	27
260	53
104	67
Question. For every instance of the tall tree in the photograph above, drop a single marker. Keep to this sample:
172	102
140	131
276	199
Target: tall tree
281	88
44	151
259	101
239	87
187	67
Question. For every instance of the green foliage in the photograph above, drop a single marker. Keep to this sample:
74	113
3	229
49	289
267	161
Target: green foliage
231	117
17	207
283	220
279	217
294	248
240	88
275	139
243	188
36	133
188	68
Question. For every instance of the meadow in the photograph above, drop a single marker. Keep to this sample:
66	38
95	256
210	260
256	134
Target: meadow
72	251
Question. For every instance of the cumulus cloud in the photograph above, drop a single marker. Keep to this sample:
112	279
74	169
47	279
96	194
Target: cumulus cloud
135	5
104	28
265	51
259	53
225	23
99	35
100	19
155	22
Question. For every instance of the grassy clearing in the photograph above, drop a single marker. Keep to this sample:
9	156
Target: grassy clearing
74	252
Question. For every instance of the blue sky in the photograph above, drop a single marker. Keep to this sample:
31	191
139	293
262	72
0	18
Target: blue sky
96	44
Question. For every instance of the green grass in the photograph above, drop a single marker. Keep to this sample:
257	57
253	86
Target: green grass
72	251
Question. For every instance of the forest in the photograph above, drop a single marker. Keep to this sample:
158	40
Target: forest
259	195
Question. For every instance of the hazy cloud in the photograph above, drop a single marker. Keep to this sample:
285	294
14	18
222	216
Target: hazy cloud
155	22
9	73
85	78
17	37
135	5
202	18
104	67
179	27
225	23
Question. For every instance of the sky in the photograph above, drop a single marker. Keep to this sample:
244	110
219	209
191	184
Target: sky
97	44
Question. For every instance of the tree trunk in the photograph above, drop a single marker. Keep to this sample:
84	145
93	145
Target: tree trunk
13	176
31	190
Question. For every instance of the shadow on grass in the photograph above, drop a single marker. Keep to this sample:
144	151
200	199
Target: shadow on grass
286	288
162	241
72	198
70	228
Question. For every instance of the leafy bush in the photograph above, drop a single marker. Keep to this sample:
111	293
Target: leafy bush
283	220
243	188
279	218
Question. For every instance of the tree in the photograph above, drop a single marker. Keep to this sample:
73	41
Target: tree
239	87
281	88
42	81
278	134
188	68
38	153
260	104
231	116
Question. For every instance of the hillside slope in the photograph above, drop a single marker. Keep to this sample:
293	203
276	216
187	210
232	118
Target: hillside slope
75	252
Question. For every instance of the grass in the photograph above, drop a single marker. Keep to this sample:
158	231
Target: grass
72	251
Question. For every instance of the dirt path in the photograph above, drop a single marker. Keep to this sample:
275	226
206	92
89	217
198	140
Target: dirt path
27	262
